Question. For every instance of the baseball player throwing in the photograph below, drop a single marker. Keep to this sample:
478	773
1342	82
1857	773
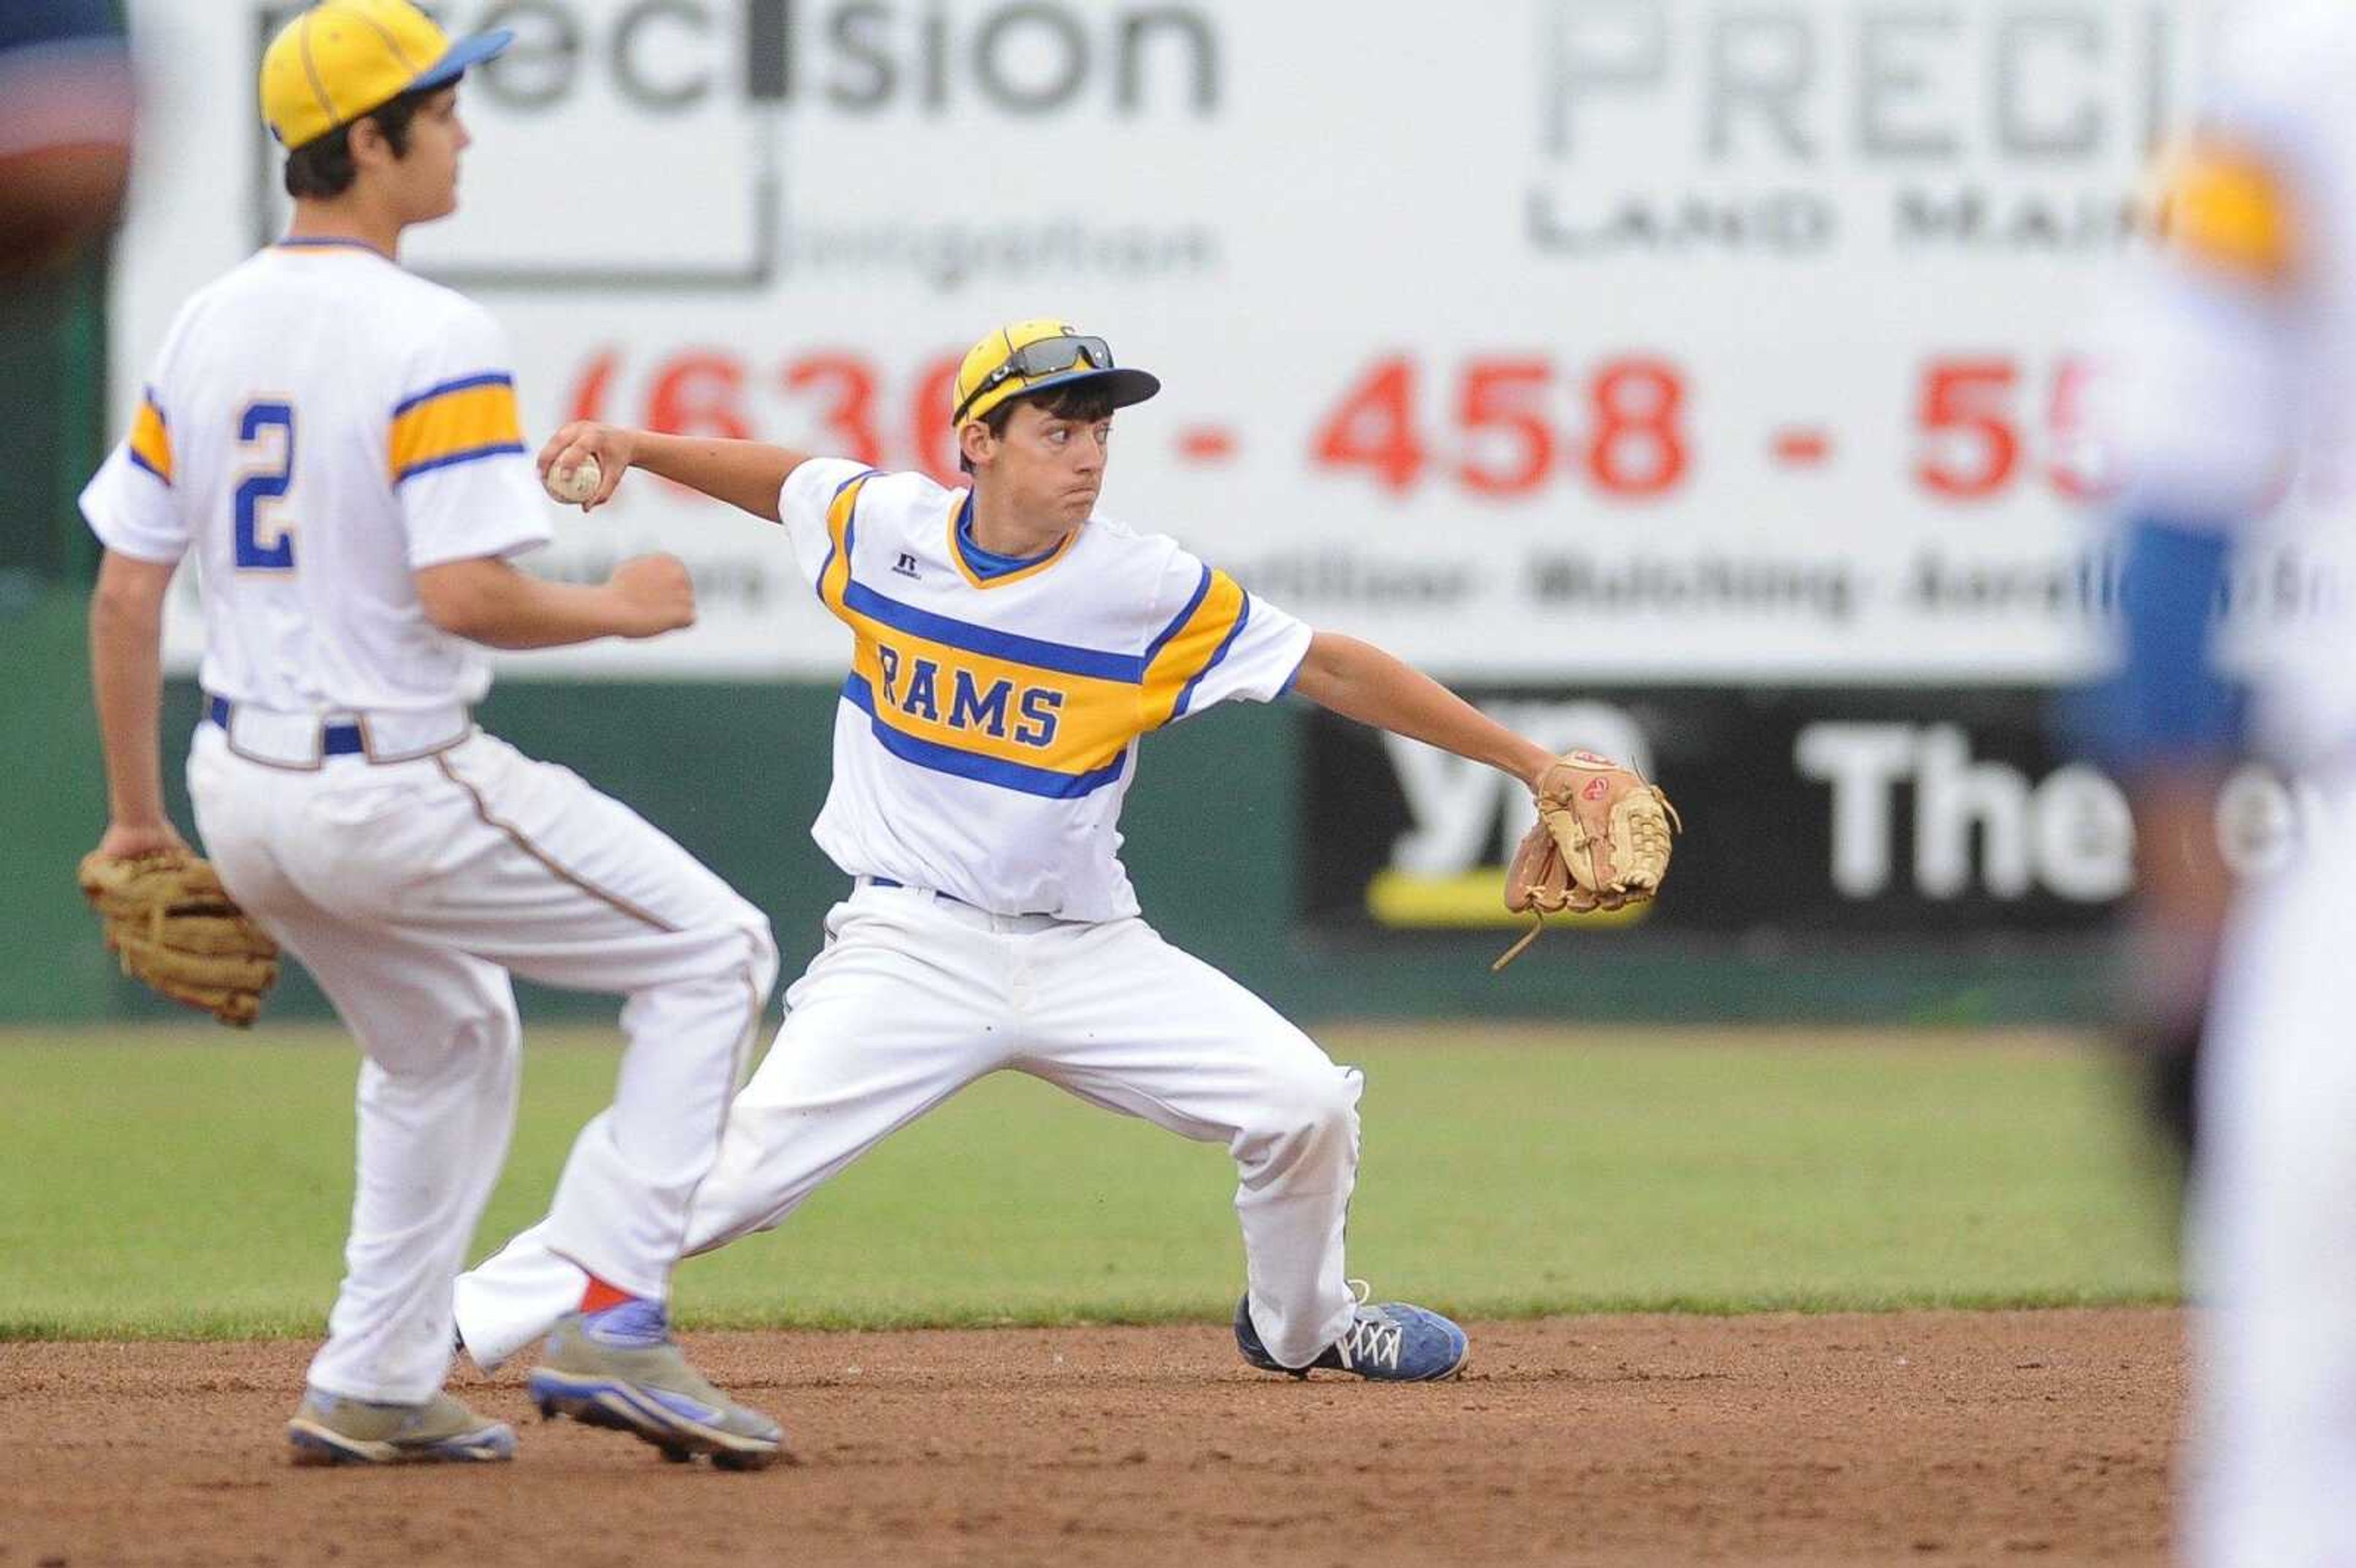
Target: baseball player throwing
337	442
1010	649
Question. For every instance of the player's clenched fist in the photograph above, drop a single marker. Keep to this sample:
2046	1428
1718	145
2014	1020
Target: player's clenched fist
655	595
586	446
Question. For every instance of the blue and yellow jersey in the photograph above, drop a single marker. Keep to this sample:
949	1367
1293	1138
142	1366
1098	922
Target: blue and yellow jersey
989	722
2233	326
2234	401
318	424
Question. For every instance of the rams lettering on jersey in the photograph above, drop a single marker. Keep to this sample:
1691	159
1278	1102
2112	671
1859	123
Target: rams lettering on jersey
1043	718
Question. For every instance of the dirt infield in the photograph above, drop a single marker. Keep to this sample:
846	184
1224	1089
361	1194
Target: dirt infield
1940	1438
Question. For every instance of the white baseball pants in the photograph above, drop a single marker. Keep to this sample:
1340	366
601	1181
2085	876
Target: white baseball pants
915	995
2272	1226
411	889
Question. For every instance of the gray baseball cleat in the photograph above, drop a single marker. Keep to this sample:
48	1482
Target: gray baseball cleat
1387	1341
330	1430
623	1371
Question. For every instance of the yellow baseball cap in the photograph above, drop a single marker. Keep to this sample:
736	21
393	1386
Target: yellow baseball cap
343	58
1030	355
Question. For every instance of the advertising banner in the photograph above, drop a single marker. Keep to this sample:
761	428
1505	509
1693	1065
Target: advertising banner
1699	342
1879	812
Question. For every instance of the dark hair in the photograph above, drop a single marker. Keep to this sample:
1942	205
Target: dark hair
1087	401
324	167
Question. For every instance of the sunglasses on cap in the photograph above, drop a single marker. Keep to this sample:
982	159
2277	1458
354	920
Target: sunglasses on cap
1048	356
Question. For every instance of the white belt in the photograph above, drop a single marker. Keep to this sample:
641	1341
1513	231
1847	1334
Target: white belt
306	740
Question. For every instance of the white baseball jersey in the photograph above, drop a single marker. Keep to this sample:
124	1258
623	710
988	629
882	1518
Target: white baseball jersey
2239	346
2238	339
989	728
320	424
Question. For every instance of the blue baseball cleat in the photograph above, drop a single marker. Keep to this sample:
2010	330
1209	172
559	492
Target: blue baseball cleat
1388	1342
626	1374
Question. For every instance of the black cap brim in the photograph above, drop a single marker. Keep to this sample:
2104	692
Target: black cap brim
1125	385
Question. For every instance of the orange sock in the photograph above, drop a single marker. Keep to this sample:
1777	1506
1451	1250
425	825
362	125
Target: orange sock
600	1296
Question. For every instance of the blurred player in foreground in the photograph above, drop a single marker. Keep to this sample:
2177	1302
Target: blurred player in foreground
64	127
1011	647
2237	379
337	441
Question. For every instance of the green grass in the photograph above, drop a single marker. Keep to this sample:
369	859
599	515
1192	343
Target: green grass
189	1183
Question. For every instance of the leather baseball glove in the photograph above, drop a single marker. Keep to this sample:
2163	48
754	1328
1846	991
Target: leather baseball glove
180	932
1601	841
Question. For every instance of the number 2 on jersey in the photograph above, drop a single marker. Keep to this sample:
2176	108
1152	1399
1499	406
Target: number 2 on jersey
264	483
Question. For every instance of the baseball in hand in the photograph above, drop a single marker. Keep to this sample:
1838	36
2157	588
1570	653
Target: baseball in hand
576	484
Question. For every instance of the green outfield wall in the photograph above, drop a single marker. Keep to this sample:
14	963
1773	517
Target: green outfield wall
1214	829
52	373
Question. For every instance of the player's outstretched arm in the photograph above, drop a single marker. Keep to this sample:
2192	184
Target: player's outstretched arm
126	681
1602	838
487	601
747	474
1359	680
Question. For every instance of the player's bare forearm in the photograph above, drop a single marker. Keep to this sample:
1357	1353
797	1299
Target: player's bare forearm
2183	883
487	601
1361	681
126	678
747	474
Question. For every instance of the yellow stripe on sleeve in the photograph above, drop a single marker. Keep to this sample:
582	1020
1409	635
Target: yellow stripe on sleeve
1190	651
834	577
151	440
2224	209
457	421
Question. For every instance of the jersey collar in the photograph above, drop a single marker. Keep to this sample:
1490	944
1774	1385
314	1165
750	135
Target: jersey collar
332	242
962	551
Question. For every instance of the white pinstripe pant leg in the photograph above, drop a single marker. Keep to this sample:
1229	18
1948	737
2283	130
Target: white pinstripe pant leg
900	1011
408	888
913	999
695	960
2273	1228
1125	1020
435	1109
